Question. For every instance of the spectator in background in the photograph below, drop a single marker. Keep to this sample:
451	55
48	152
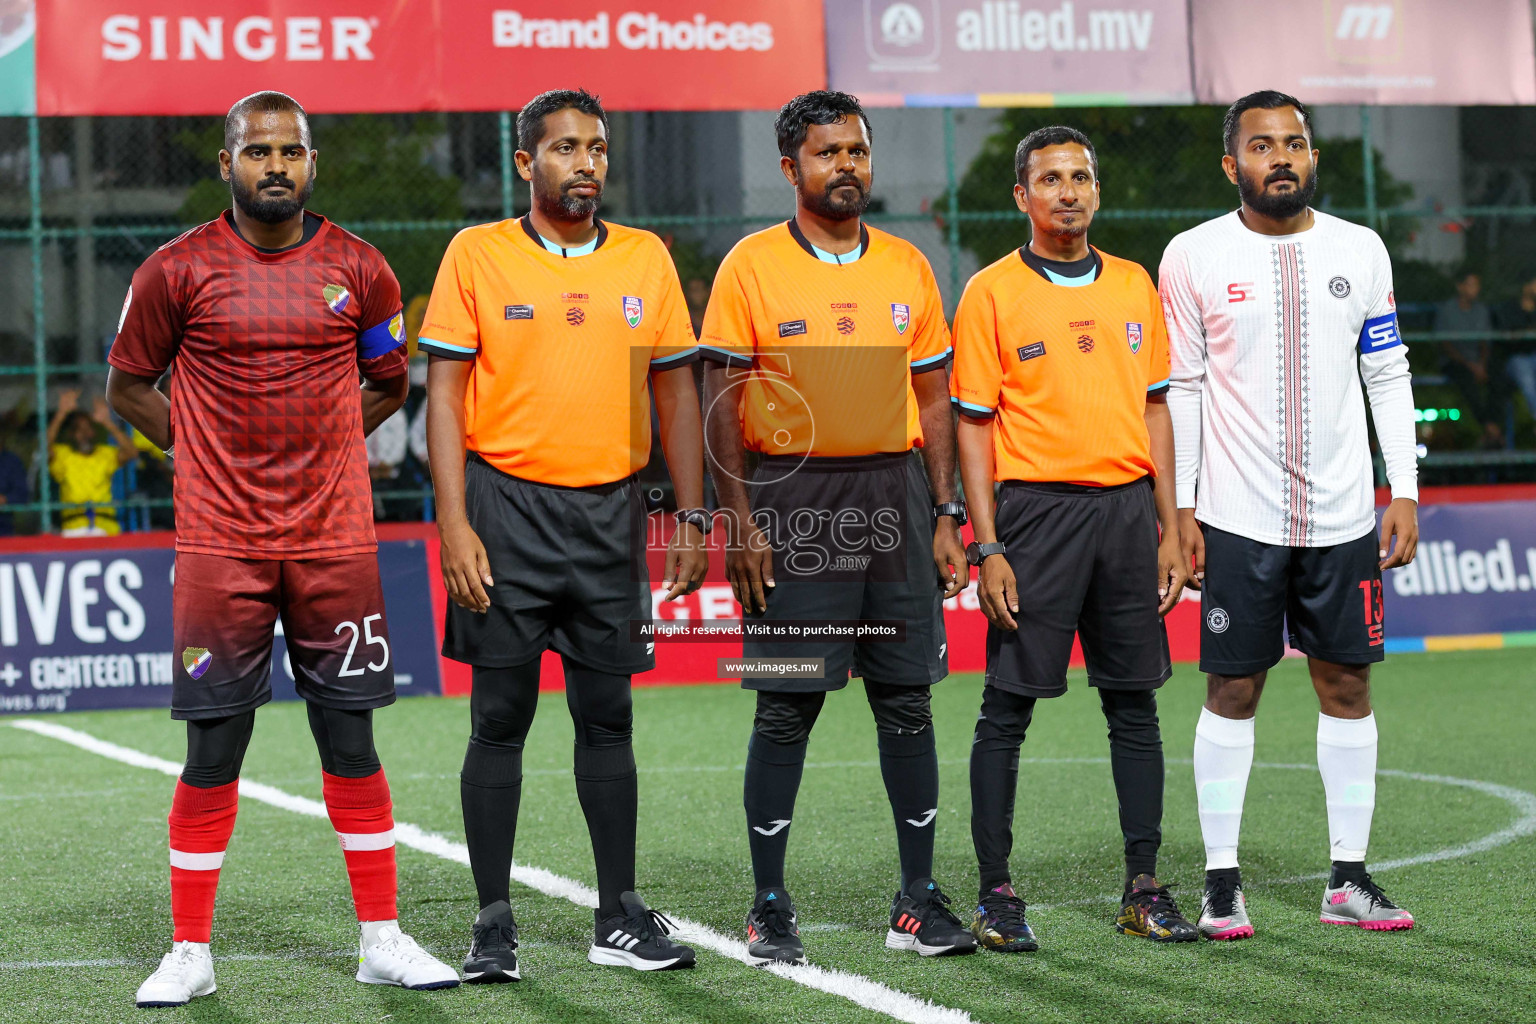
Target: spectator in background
1519	317
84	468
386	451
1470	364
13	488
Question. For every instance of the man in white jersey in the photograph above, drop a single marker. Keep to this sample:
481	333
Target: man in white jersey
1276	313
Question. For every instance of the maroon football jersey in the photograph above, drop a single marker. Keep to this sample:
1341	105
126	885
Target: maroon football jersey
266	414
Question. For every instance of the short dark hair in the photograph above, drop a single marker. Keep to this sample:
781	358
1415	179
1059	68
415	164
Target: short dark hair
264	102
68	426
1264	99
530	120
820	107
1055	135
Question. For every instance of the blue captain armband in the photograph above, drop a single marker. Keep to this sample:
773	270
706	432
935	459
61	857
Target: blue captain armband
1380	332
382	338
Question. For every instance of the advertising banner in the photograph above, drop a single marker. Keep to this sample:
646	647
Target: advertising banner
356	56
89	626
1473	582
1009	52
1334	51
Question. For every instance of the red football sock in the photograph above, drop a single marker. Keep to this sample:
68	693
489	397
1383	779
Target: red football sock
201	822
363	818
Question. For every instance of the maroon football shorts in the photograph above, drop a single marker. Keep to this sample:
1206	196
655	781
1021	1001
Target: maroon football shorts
225	611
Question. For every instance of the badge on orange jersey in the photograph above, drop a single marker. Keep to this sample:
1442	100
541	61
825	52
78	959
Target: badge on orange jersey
901	316
1133	337
634	310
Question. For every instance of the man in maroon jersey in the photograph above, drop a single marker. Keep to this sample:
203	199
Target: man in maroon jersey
270	315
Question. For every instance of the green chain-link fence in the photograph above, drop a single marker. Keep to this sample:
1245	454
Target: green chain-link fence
84	200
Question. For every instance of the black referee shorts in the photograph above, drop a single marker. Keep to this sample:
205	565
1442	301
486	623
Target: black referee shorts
852	539
1328	600
568	565
1086	563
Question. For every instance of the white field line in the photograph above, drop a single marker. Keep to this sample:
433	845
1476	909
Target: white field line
856	988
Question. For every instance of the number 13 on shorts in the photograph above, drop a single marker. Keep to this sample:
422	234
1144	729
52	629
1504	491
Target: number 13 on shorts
1370	591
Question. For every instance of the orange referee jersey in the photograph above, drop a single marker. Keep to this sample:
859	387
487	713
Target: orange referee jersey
1065	370
826	350
562	346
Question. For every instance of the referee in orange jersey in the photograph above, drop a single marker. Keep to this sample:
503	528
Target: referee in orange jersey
550	335
1061	373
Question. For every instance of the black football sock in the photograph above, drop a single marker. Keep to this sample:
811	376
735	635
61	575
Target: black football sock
1136	761
602	712
768	793
609	792
1346	871
1000	730
490	789
910	767
501	707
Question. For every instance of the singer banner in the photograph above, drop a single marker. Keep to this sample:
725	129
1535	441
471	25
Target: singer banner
357	56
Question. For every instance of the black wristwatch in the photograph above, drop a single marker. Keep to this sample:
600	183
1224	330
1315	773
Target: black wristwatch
699	517
977	553
952	508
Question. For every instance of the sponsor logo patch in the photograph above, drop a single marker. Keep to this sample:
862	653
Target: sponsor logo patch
791	328
1339	288
336	297
1034	351
519	313
1217	620
901	316
634	310
845	325
196	661
1085	342
575	316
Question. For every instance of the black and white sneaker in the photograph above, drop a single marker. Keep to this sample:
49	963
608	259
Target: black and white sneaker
637	938
493	951
922	921
771	933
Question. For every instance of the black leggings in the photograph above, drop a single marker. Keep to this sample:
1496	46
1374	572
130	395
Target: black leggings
1136	762
503	702
787	718
501	709
216	746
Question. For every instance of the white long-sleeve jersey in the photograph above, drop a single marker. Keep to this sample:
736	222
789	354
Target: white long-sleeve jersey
1270	337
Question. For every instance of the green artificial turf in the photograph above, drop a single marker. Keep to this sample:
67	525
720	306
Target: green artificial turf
84	905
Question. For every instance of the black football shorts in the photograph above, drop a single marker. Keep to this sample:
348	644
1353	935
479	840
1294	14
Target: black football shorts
568	571
1086	563
1327	600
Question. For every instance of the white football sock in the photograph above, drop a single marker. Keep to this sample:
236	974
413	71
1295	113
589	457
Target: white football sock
1346	757
1223	759
371	930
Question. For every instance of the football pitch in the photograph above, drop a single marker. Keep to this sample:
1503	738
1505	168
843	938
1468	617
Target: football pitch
84	892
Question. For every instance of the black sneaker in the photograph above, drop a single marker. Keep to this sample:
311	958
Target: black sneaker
771	933
493	952
999	923
637	938
1148	911
922	921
